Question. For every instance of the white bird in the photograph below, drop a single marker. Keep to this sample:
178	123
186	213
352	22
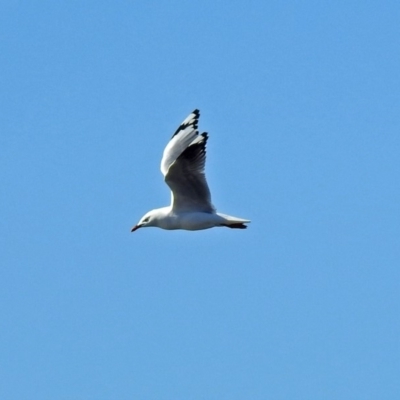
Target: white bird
183	165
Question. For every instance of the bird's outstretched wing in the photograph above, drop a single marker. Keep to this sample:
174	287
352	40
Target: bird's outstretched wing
183	165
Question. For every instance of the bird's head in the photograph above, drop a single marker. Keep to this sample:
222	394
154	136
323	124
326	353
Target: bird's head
149	219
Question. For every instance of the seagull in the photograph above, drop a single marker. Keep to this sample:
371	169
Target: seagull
183	165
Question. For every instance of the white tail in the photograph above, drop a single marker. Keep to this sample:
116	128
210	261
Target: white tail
233	222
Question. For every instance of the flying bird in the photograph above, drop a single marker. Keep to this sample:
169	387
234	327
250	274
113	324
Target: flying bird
183	165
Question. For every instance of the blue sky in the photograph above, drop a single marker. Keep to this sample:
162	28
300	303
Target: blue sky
301	101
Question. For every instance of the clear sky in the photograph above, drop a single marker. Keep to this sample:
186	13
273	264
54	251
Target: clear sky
302	104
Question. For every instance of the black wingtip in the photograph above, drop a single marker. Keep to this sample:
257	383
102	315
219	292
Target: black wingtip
238	225
195	150
194	122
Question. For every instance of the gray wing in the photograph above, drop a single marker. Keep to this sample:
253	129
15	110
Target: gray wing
183	167
187	179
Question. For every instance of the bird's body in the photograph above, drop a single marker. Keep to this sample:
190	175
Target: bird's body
183	165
